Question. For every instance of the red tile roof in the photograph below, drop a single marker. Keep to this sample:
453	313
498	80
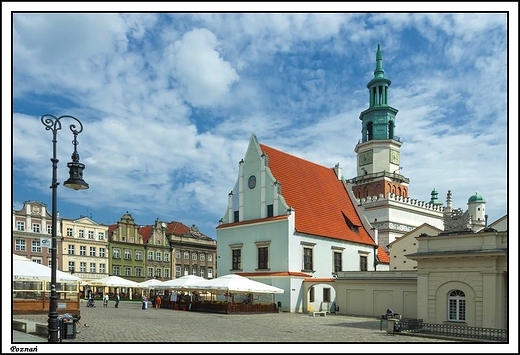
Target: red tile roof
176	228
382	255
146	232
321	202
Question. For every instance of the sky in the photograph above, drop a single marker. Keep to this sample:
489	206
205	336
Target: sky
169	98
169	101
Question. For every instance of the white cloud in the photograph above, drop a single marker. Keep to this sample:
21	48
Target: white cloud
200	69
169	102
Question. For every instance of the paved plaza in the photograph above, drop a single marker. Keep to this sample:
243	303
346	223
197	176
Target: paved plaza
131	324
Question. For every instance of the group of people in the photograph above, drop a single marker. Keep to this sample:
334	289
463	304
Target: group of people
117	298
156	301
90	299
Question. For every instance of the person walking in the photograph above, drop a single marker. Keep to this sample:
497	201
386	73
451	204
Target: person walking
105	300
158	302
117	298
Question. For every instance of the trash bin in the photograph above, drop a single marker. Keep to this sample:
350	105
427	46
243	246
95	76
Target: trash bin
67	325
279	306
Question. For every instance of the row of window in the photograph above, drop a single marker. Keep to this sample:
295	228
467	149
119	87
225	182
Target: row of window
186	271
194	255
20	245
83	251
161	272
308	265
138	271
81	234
20	226
83	267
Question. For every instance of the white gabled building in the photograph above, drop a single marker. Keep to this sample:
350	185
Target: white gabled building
291	221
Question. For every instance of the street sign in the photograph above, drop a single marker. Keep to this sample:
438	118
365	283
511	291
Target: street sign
45	242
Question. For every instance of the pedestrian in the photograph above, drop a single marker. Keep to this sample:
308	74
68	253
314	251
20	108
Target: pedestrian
90	301
158	302
153	300
105	300
117	298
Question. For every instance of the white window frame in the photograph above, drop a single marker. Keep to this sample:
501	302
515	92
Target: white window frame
36	246
457	306
20	245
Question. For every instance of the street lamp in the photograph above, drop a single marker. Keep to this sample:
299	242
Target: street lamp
75	181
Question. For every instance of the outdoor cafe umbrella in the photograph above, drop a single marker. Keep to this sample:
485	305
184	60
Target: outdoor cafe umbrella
152	283
181	282
234	283
26	270
116	281
149	284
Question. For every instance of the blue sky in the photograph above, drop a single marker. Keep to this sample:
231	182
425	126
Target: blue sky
169	101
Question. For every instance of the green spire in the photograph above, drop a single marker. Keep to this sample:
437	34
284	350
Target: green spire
379	72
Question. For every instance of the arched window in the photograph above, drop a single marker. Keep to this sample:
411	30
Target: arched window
457	306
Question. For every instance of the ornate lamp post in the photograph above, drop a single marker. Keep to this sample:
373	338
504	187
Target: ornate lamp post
75	181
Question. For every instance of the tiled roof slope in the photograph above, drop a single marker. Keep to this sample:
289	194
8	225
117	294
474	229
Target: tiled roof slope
146	232
320	200
176	228
382	255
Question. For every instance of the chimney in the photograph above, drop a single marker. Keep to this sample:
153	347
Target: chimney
337	170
